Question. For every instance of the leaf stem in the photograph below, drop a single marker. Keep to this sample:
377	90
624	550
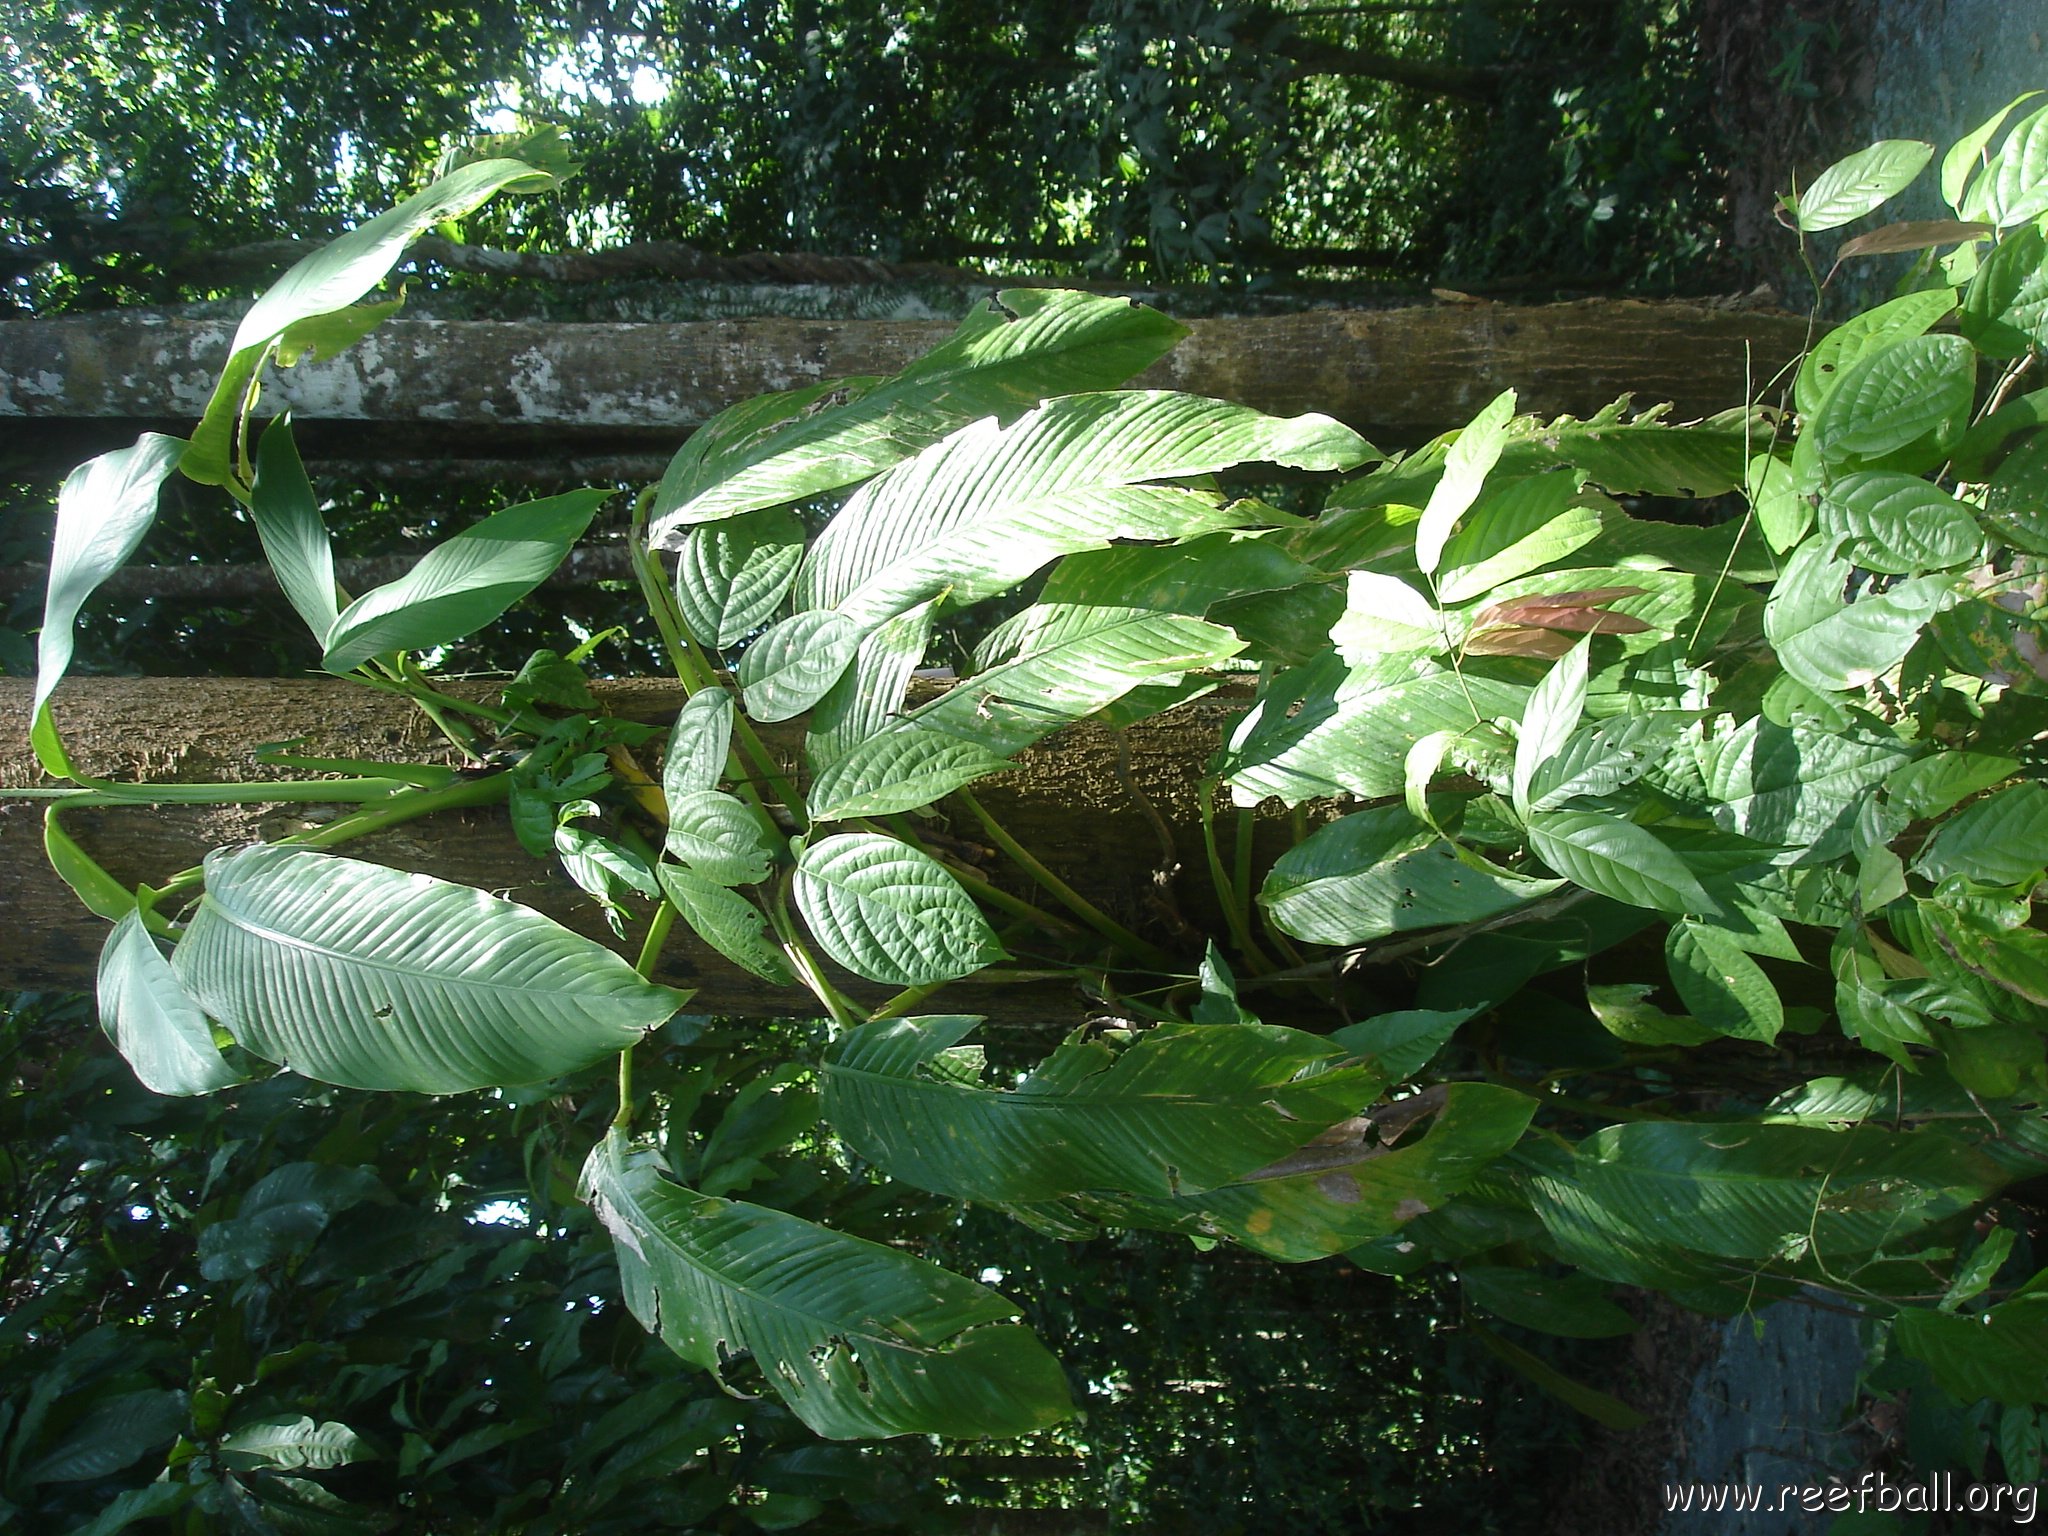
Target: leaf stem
844	1013
1240	931
650	951
1065	894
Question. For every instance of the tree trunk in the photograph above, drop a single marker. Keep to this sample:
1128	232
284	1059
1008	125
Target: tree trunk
1067	801
506	390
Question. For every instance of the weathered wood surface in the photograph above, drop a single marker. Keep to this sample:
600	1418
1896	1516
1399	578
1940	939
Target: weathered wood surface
484	387
1066	801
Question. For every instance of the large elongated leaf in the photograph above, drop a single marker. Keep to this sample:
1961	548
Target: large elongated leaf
103	510
1522	527
332	277
294	537
992	503
888	912
1052	664
2001	1352
1616	858
1860	183
372	978
698	744
293	1440
1466	466
1796	786
2013	186
1022	346
1834	645
1181	1110
858	1339
461	585
1727	991
147	1014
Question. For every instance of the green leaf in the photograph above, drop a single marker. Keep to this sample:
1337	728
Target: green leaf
463	583
1833	645
794	663
1399	1045
731	576
1550	718
1859	183
1899	407
1382	871
2001	1352
1052	664
1182	1109
2016	506
1600	759
115	1432
1781	512
104	508
2013	186
727	921
1930	785
150	1018
990	504
2005	309
717	837
333	277
1218	1003
368	977
1964	157
2002	840
698	744
1600	1407
1470	458
858	1339
1796	786
1521	527
869	694
1625	1012
889	912
1385	616
1898	524
1869	333
288	522
1025	344
1973	1276
1643	455
144	1503
1570	1306
1727	991
103	895
292	1440
1617	858
1192	576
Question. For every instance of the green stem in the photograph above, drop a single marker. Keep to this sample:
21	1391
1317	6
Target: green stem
1065	894
809	972
1240	932
650	951
272	792
753	750
1241	867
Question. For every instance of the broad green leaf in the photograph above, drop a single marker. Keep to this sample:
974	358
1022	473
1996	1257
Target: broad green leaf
103	895
1965	156
717	837
1348	1194
333	277
1521	527
795	662
1859	183
288	521
1832	644
727	921
869	694
2020	1444
2002	840
115	1432
463	583
1600	759
368	977
293	1440
1625	1012
1727	992
1400	1044
333	333
2013	186
2001	1352
1642	455
1616	858
2016	505
1191	576
1899	407
1570	1306
104	508
1601	1407
1218	1003
1869	333
1796	786
1050	665
1466	466
1973	1276
889	912
990	504
1381	871
732	575
2005	309
1781	512
1898	524
698	743
1383	616
858	1339
144	1503
1932	784
1549	719
150	1018
1025	344
282	1215
1182	1109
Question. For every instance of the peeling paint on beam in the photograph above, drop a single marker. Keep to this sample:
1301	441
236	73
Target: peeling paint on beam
1404	373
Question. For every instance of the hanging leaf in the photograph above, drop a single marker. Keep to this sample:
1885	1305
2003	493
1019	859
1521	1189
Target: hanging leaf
1466	466
1569	1306
152	1021
292	1440
1600	1407
1910	235
368	977
333	277
698	744
1616	858
727	921
732	576
889	912
869	694
1859	183
1182	1109
463	583
102	894
858	1339
1727	991
717	837
288	521
1832	644
795	663
104	508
